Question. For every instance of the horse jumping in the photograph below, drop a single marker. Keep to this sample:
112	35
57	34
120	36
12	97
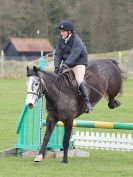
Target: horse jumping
64	103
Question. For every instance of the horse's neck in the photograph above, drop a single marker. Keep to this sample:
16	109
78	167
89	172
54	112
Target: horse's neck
52	86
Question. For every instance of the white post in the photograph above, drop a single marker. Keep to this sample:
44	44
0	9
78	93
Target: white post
41	53
2	63
120	56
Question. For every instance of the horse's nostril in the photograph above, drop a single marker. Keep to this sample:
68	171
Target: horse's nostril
30	105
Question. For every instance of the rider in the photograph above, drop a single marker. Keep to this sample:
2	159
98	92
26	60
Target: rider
72	53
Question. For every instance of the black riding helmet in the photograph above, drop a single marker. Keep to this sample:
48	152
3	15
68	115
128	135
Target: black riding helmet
66	25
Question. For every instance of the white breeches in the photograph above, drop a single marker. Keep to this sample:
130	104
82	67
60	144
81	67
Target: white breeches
79	72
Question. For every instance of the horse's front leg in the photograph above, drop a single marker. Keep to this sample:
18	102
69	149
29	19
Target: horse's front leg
50	124
68	130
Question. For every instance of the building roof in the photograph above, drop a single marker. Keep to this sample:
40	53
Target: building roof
31	44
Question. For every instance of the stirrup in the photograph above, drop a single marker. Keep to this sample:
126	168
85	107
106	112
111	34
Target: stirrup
88	107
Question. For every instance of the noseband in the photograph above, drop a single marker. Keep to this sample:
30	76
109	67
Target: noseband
32	93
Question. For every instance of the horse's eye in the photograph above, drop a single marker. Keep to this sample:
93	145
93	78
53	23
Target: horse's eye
36	84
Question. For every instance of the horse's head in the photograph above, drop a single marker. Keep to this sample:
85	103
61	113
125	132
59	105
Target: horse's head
34	86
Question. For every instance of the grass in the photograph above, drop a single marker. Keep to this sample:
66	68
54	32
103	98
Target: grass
125	54
99	164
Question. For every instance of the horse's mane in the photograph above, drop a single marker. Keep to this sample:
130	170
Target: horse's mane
56	79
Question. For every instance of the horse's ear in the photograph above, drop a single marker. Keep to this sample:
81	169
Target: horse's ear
27	68
35	69
28	71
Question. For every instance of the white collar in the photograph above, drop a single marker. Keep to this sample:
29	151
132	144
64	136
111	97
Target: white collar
68	38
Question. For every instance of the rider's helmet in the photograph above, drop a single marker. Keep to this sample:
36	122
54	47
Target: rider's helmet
66	25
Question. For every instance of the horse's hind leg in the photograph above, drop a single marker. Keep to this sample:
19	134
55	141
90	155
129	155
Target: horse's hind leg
113	103
113	90
68	130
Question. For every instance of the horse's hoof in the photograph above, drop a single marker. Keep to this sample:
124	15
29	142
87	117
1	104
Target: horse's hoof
64	161
114	104
38	158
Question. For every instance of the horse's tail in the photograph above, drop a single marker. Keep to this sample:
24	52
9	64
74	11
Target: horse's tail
122	73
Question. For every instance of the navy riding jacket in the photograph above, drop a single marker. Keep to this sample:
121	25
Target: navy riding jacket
72	53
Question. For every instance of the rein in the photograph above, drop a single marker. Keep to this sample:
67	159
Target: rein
51	108
42	84
95	90
78	91
46	90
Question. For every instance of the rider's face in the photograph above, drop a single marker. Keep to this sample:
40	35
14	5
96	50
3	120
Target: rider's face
64	34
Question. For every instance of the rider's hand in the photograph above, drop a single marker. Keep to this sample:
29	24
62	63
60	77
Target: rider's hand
56	71
63	67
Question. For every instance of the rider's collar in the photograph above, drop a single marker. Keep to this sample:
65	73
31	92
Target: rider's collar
68	38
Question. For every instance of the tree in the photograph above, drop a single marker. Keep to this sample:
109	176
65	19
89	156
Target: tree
104	25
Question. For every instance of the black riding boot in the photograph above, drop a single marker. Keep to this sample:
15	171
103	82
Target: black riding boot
83	90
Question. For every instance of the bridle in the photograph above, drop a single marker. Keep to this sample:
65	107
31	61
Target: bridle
33	93
40	92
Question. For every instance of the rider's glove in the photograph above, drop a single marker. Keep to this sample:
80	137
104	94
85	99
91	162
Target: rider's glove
63	67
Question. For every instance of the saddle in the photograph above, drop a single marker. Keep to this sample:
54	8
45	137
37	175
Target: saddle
70	79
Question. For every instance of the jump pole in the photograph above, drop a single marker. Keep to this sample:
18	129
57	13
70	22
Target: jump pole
97	124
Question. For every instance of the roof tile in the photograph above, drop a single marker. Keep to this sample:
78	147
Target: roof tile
31	44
